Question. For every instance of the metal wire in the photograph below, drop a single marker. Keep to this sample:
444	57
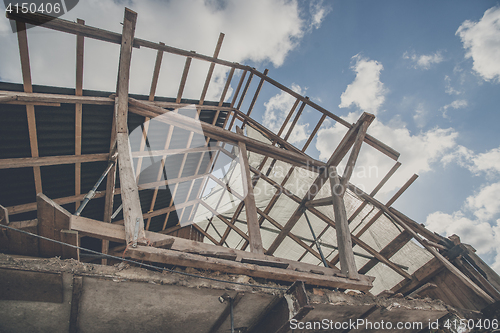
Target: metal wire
139	263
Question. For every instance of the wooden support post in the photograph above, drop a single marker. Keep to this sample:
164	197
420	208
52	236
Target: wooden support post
344	243
211	69
22	38
78	109
70	237
52	218
251	209
132	212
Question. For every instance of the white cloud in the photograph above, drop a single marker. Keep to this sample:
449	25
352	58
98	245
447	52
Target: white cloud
456	104
419	151
259	31
423	61
318	13
448	88
420	115
482	41
277	109
482	229
366	91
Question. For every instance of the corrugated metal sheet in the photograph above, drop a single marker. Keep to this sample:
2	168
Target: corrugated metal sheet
56	136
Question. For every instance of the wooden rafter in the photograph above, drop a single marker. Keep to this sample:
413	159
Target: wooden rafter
91	32
211	69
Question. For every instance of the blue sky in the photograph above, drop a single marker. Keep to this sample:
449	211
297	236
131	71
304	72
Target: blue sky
428	70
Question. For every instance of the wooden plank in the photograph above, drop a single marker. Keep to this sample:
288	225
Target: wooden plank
78	109
388	251
156	74
24	224
249	198
76	294
30	109
116	233
70	237
12	163
20	285
344	243
424	288
419	277
226	87
183	79
489	274
256	95
192	260
55	99
211	69
130	194
4	215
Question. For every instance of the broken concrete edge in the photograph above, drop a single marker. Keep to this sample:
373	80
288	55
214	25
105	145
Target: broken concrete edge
124	272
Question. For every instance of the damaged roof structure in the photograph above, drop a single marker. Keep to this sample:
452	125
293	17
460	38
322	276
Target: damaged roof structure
201	188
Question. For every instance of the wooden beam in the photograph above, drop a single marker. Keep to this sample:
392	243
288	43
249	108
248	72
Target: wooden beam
132	213
116	233
226	87
23	162
78	109
388	251
70	237
22	38
4	215
225	135
349	168
454	270
250	207
344	243
183	79
193	260
211	69
327	220
315	187
70	27
256	95
52	218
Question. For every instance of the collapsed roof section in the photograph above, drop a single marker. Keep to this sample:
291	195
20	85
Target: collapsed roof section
255	204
